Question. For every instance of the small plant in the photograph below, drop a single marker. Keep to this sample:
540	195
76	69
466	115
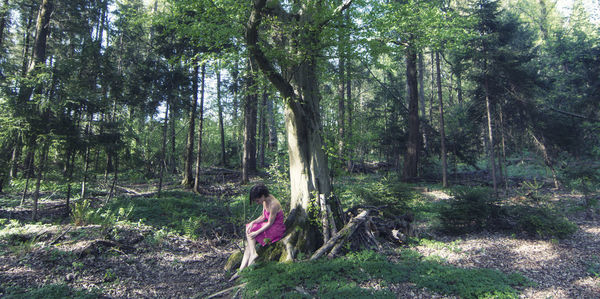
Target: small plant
593	267
542	221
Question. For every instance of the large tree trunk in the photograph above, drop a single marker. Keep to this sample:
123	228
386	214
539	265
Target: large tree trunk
309	174
200	127
412	145
26	40
250	111
442	130
172	119
188	177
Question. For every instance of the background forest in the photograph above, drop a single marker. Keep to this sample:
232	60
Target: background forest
130	126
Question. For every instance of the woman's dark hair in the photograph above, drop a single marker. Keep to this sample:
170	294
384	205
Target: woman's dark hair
258	191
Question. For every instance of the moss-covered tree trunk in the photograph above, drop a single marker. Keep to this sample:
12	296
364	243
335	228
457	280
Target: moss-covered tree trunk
298	84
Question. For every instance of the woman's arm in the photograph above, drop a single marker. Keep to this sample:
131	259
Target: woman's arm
272	216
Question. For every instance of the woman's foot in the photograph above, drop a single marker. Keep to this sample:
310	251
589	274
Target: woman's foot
252	258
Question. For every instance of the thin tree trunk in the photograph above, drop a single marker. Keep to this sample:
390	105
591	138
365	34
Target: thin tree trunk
86	157
492	154
29	162
272	126
220	107
200	127
349	105
70	167
40	173
250	110
422	96
15	157
412	146
163	153
341	97
263	128
547	160
172	119
115	178
459	89
503	164
188	177
442	130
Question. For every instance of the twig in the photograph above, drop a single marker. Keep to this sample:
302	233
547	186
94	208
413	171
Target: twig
342	235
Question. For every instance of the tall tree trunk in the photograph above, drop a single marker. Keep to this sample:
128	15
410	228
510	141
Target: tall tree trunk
490	144
250	110
422	96
200	127
163	151
220	107
4	16
272	125
341	96
503	164
70	167
188	177
262	124
26	41
39	47
15	157
40	174
172	119
349	105
459	94
442	130
412	146
86	156
309	173
115	178
29	171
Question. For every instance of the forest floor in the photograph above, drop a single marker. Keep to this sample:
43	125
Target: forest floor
135	260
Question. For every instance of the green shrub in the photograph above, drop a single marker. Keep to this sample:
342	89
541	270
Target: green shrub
542	222
471	210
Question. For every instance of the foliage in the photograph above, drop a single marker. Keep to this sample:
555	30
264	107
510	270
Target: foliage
49	291
474	210
344	277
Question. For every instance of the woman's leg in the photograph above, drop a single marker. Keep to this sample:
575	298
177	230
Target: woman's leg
252	255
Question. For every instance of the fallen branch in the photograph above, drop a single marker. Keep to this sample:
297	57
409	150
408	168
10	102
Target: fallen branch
225	291
61	235
342	235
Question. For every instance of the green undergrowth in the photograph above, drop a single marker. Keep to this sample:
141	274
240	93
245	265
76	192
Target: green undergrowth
476	209
180	212
353	276
50	291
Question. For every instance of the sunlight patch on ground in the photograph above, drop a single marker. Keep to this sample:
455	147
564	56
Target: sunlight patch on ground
538	252
589	283
438	195
552	292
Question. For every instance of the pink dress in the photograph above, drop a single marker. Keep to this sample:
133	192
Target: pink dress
274	233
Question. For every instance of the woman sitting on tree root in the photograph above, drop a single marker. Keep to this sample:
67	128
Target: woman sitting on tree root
266	229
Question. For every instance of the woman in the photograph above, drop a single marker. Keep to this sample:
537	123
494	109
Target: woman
266	229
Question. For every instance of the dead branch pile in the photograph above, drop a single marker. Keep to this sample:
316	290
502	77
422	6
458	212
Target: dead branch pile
366	230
